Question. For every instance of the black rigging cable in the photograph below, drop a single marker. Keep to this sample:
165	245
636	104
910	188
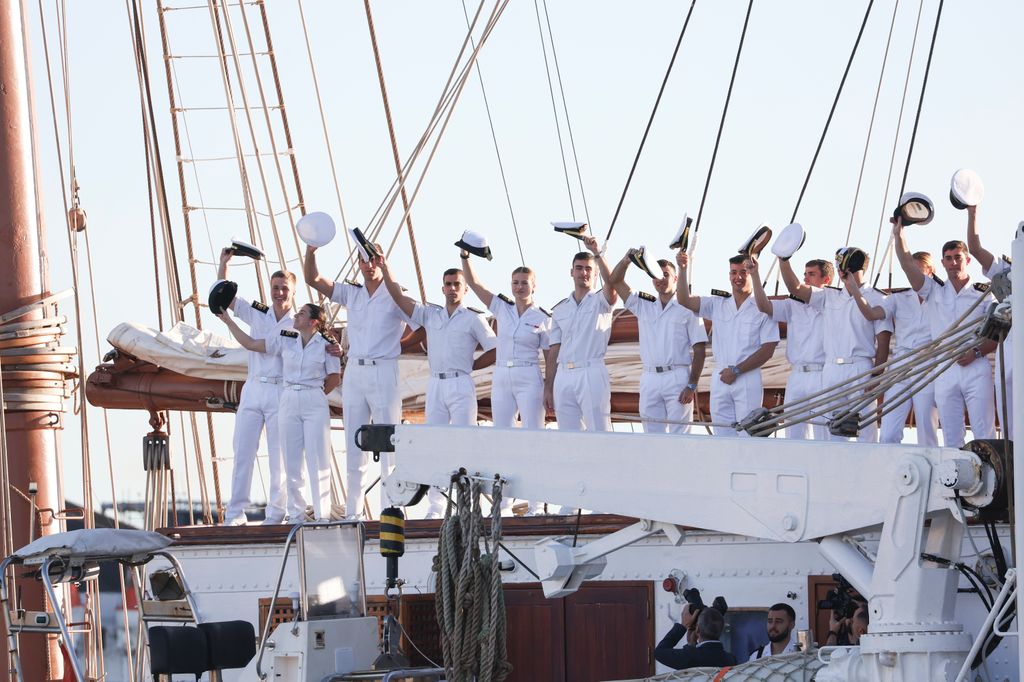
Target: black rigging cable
721	124
832	111
650	121
920	101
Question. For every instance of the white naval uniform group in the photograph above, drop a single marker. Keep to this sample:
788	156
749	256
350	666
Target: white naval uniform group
667	335
305	419
451	343
582	390
517	386
999	265
370	385
736	334
850	343
911	331
959	387
805	351
257	409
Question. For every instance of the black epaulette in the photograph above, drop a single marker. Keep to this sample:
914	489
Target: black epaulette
290	334
938	280
797	299
719	292
432	305
880	291
353	283
544	311
981	286
643	295
262	307
832	287
475	310
560	303
506	299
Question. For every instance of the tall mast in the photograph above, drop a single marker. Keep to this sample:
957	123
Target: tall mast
31	434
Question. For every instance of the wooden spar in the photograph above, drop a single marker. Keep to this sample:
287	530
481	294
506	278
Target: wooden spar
31	435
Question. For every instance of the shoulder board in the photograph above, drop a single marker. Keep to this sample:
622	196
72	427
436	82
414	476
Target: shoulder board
432	305
880	291
719	292
797	299
289	334
982	287
643	295
544	311
560	303
900	290
262	307
506	299
1009	261
475	310
831	287
353	283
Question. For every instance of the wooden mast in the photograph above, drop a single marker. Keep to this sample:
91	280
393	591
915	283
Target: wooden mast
31	434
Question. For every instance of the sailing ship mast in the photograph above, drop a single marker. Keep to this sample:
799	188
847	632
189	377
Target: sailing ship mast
29	434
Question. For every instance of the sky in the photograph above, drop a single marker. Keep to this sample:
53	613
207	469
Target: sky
612	57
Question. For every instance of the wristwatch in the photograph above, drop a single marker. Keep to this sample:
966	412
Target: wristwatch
692	387
735	369
977	353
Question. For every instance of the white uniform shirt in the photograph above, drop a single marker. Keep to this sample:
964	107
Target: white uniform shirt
766	650
262	325
736	334
451	340
520	337
305	366
850	334
583	329
666	333
805	331
912	329
944	305
375	323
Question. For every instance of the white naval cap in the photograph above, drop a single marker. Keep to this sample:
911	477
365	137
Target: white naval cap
639	258
757	241
222	293
367	249
240	248
316	229
573	229
475	243
915	209
789	241
966	189
682	238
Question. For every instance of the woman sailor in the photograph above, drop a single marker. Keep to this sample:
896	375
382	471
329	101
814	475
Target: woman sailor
310	372
523	329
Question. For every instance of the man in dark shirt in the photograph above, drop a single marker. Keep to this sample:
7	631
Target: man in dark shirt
708	650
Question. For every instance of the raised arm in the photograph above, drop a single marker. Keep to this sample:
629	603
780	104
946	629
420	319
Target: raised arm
870	312
793	283
764	304
249	343
483	293
607	289
984	257
313	276
617	278
907	262
689	302
405	304
222	267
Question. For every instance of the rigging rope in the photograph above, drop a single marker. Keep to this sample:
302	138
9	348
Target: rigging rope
650	120
554	110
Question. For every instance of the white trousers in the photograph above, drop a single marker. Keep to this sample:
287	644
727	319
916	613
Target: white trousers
583	398
841	375
659	401
517	390
369	394
1008	427
257	409
799	385
449	401
305	422
732	402
926	415
971	387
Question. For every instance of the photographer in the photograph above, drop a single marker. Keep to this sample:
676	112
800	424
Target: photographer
847	631
703	627
779	625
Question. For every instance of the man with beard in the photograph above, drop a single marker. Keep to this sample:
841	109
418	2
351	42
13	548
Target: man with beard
780	624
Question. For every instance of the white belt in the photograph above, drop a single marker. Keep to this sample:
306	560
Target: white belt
270	380
519	363
579	365
660	369
850	360
451	374
810	367
301	387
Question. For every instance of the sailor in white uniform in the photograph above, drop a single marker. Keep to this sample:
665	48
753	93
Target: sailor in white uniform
854	344
742	340
576	386
968	381
805	340
261	396
310	372
453	333
672	349
370	384
993	266
911	331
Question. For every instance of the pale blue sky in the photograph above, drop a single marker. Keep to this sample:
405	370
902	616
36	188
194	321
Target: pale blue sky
612	57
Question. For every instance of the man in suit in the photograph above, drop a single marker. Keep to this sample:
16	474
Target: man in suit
704	647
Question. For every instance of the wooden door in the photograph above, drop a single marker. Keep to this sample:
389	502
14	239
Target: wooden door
609	632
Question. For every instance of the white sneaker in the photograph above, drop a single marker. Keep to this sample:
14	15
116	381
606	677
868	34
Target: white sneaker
239	520
273	521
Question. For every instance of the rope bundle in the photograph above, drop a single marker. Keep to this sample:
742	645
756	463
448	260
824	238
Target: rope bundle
470	602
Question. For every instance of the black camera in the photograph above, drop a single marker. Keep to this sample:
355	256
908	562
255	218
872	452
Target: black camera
692	596
839	599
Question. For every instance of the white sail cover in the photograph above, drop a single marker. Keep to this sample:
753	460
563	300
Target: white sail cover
90	544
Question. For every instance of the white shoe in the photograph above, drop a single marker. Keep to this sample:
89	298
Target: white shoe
239	520
273	521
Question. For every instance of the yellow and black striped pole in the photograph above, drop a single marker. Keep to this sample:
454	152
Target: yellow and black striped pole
392	541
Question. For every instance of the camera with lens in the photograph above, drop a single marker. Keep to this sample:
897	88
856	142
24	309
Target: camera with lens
839	599
692	596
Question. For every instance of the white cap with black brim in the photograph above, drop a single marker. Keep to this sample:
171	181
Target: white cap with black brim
757	241
316	229
789	241
474	243
965	189
639	258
